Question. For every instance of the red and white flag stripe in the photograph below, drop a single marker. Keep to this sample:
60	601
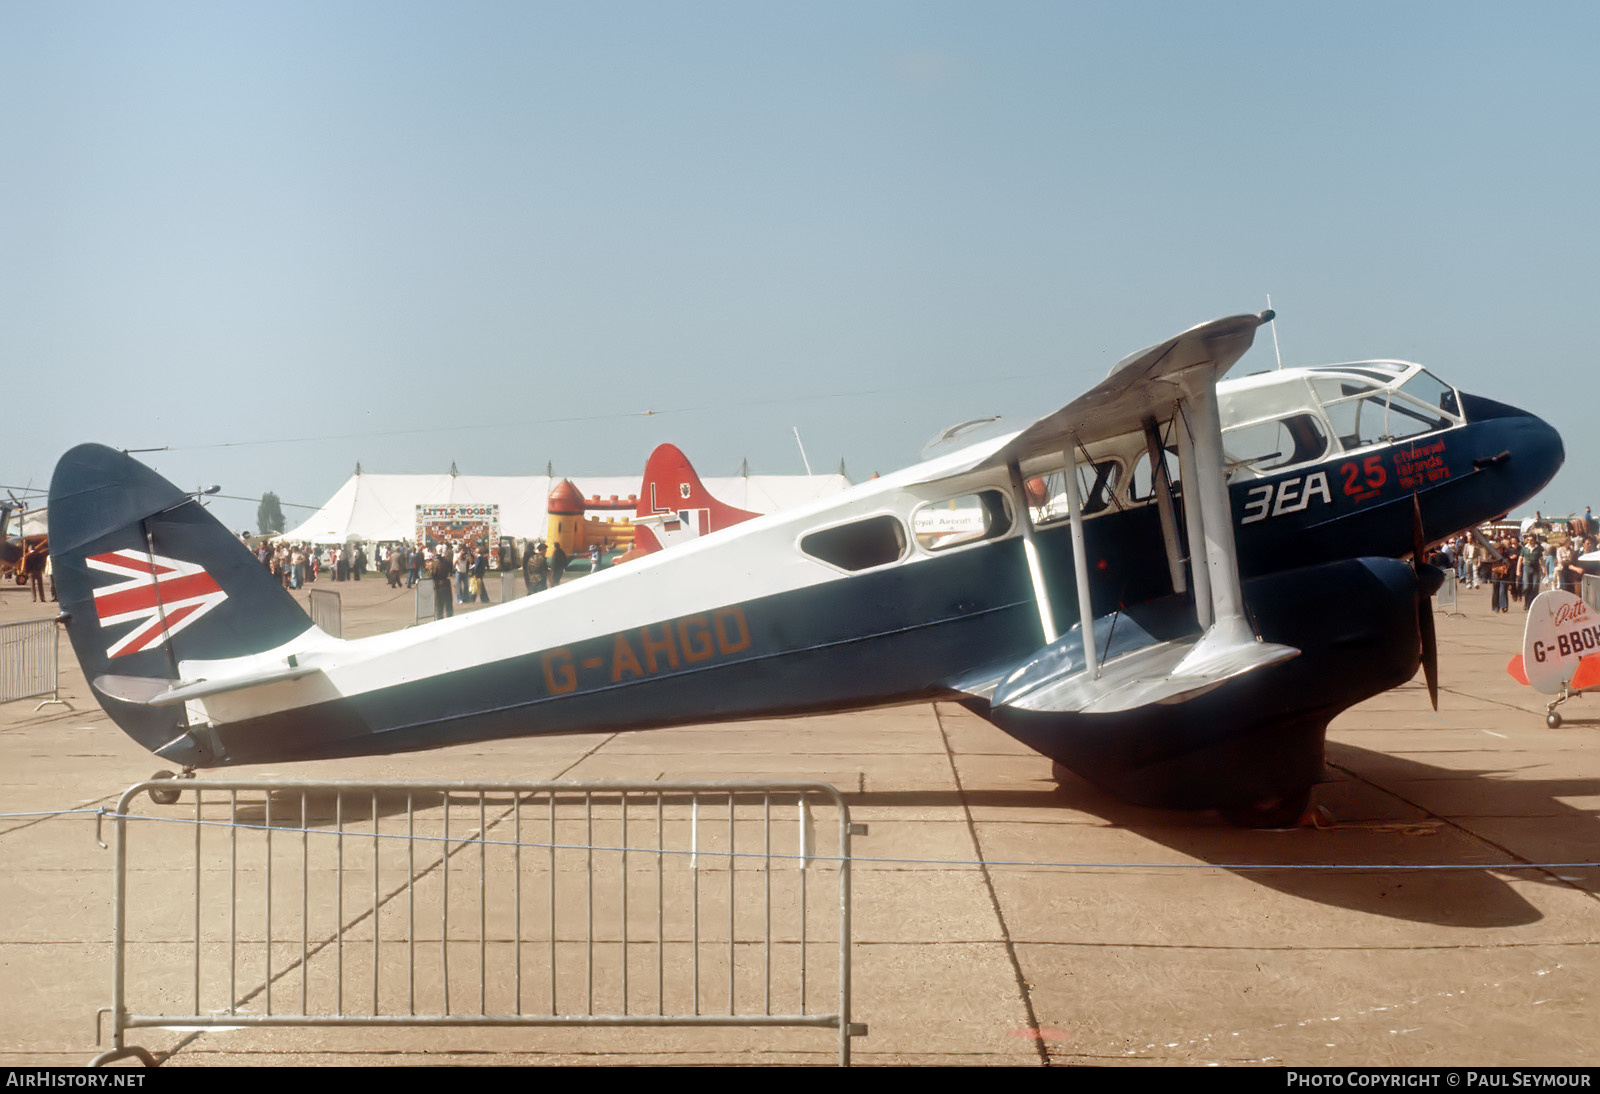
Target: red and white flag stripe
163	595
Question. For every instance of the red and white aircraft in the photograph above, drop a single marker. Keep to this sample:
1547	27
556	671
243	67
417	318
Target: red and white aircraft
1560	650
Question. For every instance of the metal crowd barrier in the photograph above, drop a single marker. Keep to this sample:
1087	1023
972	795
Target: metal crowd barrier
29	659
327	612
1590	591
493	904
422	603
511	586
1447	598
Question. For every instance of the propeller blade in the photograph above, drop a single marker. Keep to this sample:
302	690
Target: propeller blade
1425	588
1430	648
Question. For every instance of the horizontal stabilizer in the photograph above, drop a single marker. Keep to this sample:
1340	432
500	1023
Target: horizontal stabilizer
1518	673
1134	674
1588	674
131	689
159	693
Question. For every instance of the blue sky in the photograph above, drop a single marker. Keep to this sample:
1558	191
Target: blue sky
283	238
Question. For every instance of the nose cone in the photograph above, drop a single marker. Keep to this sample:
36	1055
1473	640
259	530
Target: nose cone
1522	451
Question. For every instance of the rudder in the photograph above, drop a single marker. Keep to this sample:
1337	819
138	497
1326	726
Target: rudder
148	578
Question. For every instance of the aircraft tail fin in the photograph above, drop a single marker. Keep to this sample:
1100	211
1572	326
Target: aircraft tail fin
147	579
674	505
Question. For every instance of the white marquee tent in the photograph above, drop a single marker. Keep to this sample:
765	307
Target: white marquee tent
378	508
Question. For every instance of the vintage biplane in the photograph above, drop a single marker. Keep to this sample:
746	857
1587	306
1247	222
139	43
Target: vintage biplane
1211	577
1560	650
21	555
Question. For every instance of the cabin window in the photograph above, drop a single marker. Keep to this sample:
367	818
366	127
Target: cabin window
1097	484
860	545
1144	487
1267	446
970	518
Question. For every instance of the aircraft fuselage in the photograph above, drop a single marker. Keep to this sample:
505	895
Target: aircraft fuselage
835	605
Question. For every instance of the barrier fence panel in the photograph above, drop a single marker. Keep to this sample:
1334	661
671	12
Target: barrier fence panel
29	656
1590	591
1446	599
495	904
327	612
511	586
423	611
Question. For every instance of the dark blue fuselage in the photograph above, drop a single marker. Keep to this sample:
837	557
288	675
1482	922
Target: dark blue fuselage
1316	548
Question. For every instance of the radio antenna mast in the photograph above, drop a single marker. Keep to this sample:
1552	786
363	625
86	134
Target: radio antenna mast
802	451
1275	335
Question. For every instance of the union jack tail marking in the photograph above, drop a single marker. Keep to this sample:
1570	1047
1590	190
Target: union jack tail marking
163	595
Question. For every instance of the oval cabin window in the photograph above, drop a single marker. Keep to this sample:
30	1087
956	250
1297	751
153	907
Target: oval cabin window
860	545
971	518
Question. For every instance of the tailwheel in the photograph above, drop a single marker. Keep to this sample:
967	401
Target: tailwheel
162	796
1286	811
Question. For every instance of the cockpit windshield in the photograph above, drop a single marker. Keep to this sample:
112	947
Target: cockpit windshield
1429	390
1379	402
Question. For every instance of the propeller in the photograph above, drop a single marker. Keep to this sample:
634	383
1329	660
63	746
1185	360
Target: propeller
1429	578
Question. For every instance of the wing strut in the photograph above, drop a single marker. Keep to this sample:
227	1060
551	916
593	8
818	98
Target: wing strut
1229	640
1030	551
1069	676
1161	485
1199	567
1080	562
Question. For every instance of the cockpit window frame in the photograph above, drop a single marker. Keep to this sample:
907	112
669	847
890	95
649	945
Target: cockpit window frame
1382	383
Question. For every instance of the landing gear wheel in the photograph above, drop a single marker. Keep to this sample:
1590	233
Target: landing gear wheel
1553	720
163	797
1282	812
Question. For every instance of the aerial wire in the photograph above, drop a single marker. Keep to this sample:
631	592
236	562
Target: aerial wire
582	418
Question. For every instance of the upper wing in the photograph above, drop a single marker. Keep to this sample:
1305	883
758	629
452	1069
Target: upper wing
1145	383
1176	381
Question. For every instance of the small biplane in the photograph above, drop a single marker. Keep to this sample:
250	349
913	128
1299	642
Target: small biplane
1211	575
23	554
1560	650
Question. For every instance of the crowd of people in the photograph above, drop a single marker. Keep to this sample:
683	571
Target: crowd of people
298	564
465	566
1520	565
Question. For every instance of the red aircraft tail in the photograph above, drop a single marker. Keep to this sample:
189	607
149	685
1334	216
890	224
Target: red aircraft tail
674	505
